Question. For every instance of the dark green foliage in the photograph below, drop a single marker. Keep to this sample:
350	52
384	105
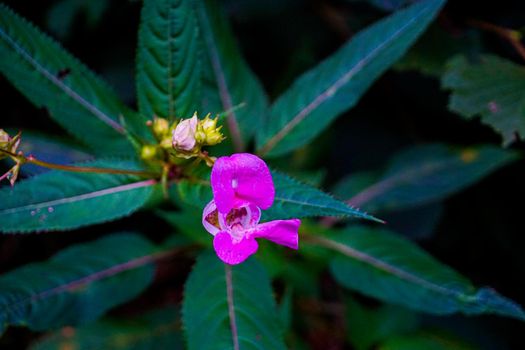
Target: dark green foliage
228	81
51	78
168	63
60	200
321	94
380	264
295	199
492	88
77	285
188	60
158	329
421	175
207	310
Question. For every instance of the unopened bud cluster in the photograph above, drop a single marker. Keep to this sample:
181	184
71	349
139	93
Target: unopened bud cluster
10	144
183	139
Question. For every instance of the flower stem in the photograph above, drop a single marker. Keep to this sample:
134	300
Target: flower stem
512	36
78	169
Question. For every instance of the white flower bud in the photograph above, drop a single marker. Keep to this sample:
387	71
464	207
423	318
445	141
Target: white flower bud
184	134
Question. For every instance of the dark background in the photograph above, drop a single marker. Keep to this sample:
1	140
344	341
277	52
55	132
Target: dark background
481	233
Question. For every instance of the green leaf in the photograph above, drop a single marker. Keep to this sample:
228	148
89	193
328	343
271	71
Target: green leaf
77	285
168	65
334	86
491	88
380	264
51	78
285	309
191	193
293	199
421	175
226	305
59	200
157	329
297	200
234	83
188	221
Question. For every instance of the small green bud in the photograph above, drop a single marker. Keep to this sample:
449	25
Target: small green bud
208	132
148	152
4	138
160	127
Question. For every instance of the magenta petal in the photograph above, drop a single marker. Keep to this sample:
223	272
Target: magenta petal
241	179
283	232
233	253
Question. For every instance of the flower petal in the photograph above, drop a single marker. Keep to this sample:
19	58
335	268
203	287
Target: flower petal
233	253
241	179
283	232
210	218
247	216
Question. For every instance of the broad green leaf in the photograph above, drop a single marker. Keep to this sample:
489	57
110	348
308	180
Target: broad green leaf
168	64
389	5
367	327
193	193
226	305
492	88
285	309
422	175
53	79
294	199
157	329
383	265
428	340
324	92
234	83
188	221
59	200
77	285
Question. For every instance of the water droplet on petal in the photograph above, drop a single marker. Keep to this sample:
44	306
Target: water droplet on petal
493	107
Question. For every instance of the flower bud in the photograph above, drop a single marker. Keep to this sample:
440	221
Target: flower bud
4	138
209	133
184	134
148	152
160	127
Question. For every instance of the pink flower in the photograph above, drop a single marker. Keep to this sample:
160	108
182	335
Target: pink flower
242	185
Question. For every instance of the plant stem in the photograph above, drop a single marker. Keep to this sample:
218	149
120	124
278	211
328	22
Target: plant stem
512	36
231	307
78	169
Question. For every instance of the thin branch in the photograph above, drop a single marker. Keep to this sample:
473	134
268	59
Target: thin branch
512	36
78	169
231	308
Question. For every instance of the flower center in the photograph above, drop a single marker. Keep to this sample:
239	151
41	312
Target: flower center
238	219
